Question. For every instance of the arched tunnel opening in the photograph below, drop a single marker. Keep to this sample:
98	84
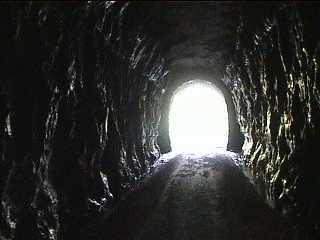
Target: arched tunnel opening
217	92
92	145
198	118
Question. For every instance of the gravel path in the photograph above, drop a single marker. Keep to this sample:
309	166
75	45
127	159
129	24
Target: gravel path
201	197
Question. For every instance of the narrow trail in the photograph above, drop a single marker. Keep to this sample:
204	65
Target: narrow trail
199	198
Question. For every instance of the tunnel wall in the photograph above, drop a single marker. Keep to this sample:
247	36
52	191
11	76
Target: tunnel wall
74	74
79	102
275	85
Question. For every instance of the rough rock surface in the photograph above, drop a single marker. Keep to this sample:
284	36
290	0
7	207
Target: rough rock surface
80	95
85	89
275	86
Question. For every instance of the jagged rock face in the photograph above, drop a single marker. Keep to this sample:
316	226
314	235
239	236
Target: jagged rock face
80	96
275	86
84	85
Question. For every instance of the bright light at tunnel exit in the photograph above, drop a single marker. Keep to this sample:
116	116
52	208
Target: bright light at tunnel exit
198	119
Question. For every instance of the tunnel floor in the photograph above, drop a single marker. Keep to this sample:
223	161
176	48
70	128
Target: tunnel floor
196	197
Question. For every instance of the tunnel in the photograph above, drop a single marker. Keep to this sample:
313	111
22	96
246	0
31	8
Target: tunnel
88	96
198	118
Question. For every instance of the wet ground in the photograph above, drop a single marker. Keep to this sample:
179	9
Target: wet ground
195	197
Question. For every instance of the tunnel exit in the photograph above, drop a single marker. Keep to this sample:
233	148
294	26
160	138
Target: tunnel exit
198	118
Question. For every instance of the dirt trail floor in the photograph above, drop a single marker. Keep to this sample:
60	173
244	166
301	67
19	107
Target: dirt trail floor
193	197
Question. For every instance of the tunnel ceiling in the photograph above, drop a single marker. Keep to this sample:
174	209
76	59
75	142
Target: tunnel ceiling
201	35
85	87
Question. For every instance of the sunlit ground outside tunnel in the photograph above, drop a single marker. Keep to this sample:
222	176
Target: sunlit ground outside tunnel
198	119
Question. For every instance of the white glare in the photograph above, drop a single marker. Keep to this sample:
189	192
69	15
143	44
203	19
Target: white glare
198	119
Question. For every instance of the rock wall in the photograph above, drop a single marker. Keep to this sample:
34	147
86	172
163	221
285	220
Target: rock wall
73	74
81	94
275	84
